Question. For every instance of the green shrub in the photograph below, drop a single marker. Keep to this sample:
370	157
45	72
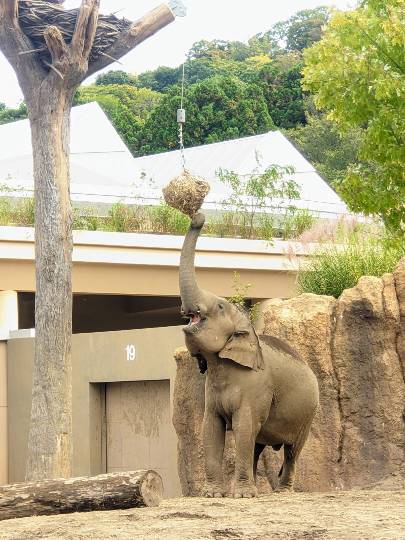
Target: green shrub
334	268
5	212
265	228
123	218
21	213
85	220
295	222
24	213
165	219
240	300
224	224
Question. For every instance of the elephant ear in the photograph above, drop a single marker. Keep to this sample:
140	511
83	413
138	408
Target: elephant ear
243	346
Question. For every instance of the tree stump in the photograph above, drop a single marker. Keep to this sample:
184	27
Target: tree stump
104	492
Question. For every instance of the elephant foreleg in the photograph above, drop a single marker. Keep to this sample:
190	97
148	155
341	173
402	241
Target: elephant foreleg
245	436
214	441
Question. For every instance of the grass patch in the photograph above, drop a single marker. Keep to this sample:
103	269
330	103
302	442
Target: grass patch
296	222
163	219
334	268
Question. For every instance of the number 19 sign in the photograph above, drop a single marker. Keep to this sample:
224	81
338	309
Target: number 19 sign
131	353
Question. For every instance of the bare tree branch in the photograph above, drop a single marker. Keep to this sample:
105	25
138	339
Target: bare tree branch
56	44
91	30
85	18
14	43
148	25
9	10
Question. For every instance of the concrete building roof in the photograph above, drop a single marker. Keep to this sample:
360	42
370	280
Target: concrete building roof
148	264
104	171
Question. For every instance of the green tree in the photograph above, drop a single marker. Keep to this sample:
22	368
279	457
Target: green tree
116	77
233	50
282	90
303	29
329	151
127	107
218	109
11	115
160	79
252	193
357	74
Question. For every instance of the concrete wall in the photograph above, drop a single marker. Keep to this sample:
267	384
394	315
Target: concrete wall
98	359
8	321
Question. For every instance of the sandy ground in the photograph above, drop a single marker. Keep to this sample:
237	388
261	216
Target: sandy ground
341	515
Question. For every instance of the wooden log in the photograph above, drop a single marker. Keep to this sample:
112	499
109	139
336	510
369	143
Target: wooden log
104	492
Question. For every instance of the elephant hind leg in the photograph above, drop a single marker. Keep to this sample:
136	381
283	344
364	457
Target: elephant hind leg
257	451
287	471
291	453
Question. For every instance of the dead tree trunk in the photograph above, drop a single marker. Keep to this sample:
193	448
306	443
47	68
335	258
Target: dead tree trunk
105	492
49	454
48	90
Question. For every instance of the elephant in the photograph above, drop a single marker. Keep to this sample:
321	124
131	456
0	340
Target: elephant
257	386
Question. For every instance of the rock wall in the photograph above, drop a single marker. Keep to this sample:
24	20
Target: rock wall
356	347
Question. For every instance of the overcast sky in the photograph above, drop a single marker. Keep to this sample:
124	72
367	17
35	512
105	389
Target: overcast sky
206	19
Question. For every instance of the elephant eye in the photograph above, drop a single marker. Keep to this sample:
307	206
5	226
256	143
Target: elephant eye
221	306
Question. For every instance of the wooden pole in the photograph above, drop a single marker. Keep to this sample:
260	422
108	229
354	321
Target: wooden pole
112	491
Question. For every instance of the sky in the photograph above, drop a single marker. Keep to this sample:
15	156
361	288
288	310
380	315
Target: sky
206	19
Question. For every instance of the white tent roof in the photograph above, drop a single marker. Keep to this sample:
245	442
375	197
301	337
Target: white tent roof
103	169
243	156
98	157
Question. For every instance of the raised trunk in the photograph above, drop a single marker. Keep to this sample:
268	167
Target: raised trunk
189	290
49	445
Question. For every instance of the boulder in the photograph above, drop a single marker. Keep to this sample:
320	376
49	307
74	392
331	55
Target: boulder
399	280
371	385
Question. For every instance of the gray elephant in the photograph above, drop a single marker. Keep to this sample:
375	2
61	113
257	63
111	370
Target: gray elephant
259	388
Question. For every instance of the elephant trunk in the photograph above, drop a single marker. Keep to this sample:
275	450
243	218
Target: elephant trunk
189	290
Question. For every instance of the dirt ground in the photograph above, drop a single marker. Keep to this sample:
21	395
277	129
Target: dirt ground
341	515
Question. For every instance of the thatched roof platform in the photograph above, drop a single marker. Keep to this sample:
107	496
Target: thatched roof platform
36	15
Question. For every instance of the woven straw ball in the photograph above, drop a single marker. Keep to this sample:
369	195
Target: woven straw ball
186	193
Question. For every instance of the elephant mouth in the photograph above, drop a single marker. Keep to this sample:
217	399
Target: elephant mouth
195	318
195	322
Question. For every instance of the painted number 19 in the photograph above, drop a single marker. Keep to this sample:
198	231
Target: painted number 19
131	353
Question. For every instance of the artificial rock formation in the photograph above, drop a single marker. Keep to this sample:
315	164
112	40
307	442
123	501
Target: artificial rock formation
356	347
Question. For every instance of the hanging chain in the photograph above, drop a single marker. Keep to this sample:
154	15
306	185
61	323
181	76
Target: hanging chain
181	119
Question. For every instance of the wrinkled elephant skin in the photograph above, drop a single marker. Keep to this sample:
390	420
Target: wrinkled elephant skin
258	387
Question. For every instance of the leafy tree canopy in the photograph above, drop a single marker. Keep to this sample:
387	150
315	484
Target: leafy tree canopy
11	115
356	73
296	34
233	50
330	152
218	108
127	107
116	77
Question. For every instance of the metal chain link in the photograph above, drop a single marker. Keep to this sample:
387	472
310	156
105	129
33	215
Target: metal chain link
181	139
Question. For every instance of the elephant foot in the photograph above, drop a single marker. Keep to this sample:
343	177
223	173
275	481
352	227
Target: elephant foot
213	492
245	491
285	488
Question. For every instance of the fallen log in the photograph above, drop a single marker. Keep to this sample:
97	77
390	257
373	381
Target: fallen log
104	492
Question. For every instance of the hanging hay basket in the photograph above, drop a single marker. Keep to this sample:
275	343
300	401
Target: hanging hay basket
186	193
36	15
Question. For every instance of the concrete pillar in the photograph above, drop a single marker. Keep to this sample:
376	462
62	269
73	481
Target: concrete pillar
8	321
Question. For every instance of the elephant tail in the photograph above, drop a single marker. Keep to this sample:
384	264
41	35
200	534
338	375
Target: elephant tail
281	470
